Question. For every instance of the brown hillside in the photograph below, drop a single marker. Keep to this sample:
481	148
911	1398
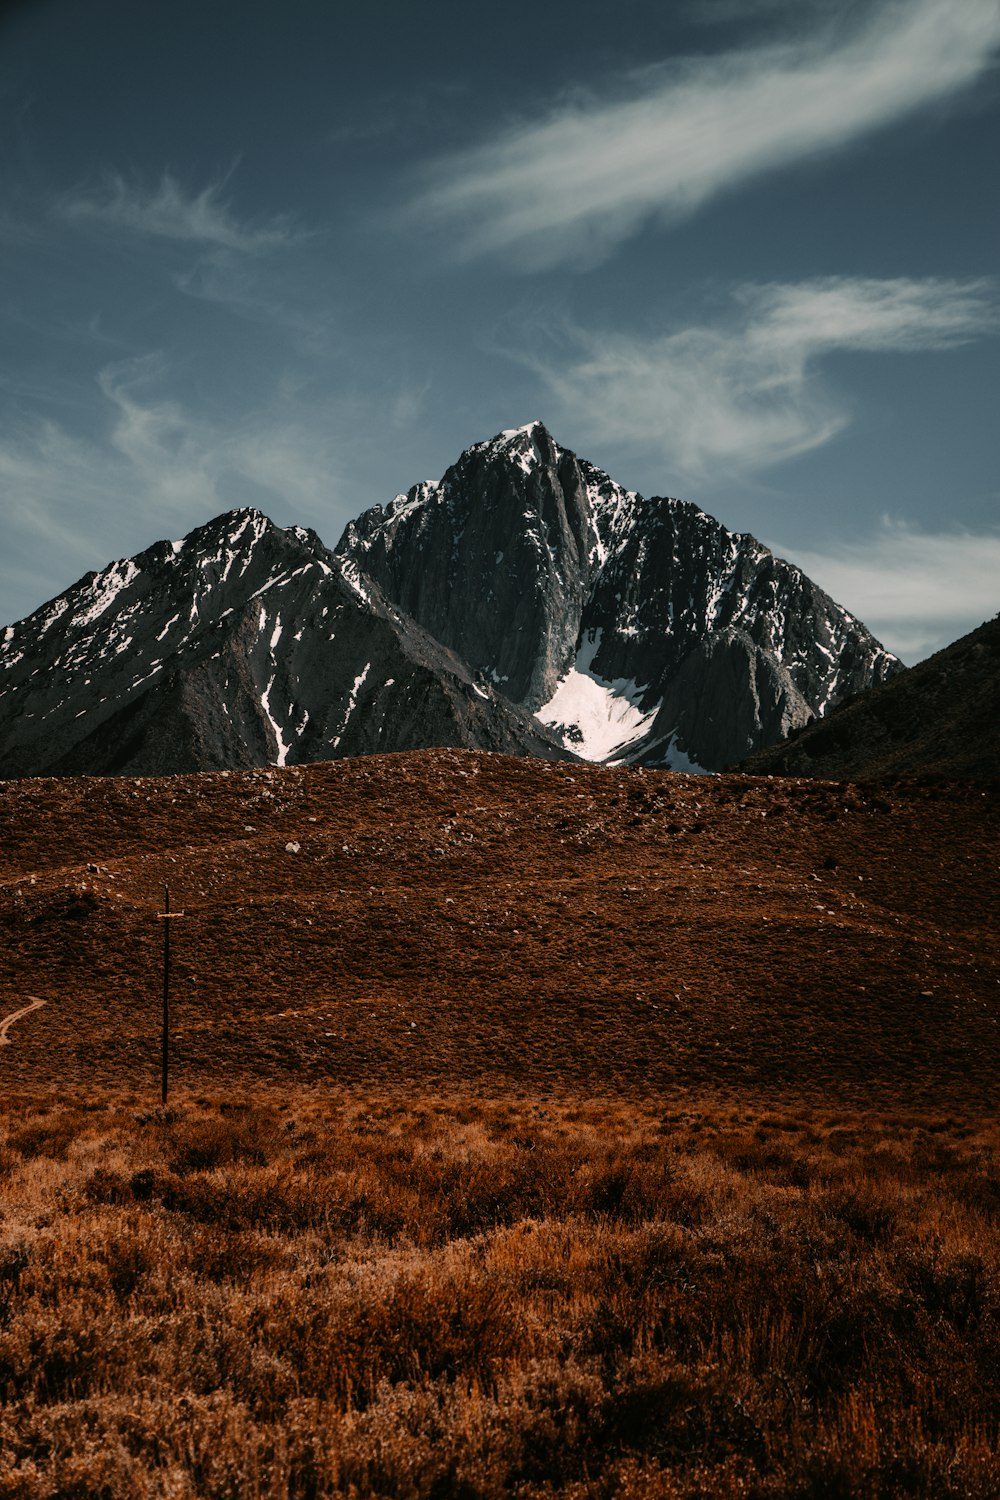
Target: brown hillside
942	718
460	919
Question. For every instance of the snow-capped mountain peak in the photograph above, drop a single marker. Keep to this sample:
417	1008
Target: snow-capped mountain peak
589	603
524	602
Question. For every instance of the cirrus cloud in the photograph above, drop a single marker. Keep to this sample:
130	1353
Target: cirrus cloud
74	499
748	392
578	182
171	212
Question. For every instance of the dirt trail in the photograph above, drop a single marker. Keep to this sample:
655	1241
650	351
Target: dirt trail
16	1015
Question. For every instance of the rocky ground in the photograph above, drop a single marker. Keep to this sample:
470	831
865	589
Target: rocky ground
449	919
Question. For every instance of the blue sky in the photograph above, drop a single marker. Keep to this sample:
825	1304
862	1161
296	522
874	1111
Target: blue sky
301	255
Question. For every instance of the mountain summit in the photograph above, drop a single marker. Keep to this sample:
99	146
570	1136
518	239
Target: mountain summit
524	603
242	645
638	629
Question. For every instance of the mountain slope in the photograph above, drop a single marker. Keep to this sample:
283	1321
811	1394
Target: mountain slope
242	645
525	603
638	629
940	717
492	560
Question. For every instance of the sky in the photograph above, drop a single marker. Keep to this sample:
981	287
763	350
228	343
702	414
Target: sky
300	256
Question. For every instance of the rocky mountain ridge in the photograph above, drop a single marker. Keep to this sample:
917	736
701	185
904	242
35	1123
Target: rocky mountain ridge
242	645
524	603
942	717
642	630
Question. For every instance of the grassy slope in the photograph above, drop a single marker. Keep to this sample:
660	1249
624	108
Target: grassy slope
473	921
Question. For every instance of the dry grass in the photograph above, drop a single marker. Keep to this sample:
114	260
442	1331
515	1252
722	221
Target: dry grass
469	921
358	1296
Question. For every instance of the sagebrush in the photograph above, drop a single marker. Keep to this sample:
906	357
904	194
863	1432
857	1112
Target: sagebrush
449	1297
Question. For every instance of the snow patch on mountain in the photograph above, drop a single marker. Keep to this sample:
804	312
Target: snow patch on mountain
675	759
521	446
597	719
352	701
352	575
283	745
104	590
612	512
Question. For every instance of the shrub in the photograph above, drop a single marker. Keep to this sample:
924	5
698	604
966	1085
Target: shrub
526	1297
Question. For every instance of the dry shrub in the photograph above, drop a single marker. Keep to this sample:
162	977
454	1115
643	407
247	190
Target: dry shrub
270	1197
863	1207
363	1297
345	1342
201	1145
51	1139
216	1254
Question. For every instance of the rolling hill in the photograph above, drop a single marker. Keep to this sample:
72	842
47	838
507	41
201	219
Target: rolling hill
454	919
942	717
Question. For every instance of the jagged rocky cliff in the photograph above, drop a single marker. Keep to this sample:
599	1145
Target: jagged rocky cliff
525	603
638	629
242	645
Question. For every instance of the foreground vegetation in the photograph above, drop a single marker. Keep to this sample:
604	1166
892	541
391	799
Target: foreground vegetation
306	1297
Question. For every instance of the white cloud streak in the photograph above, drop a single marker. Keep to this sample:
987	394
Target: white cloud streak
251	290
916	590
181	462
89	499
170	212
575	184
748	392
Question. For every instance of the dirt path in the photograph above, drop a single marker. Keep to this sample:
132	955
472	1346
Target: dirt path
16	1015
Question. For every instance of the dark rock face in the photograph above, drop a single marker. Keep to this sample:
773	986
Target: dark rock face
942	717
672	575
492	560
525	603
641	630
245	645
727	691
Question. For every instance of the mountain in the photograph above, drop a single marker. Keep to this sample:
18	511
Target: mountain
639	629
524	603
242	645
941	717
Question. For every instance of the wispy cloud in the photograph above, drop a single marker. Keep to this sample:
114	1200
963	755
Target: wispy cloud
749	392
88	499
186	463
917	590
171	212
576	183
258	292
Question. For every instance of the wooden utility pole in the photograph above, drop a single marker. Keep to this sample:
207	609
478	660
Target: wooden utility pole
165	916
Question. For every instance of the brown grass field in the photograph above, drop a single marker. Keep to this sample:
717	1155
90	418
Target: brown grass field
534	1130
446	1298
454	919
